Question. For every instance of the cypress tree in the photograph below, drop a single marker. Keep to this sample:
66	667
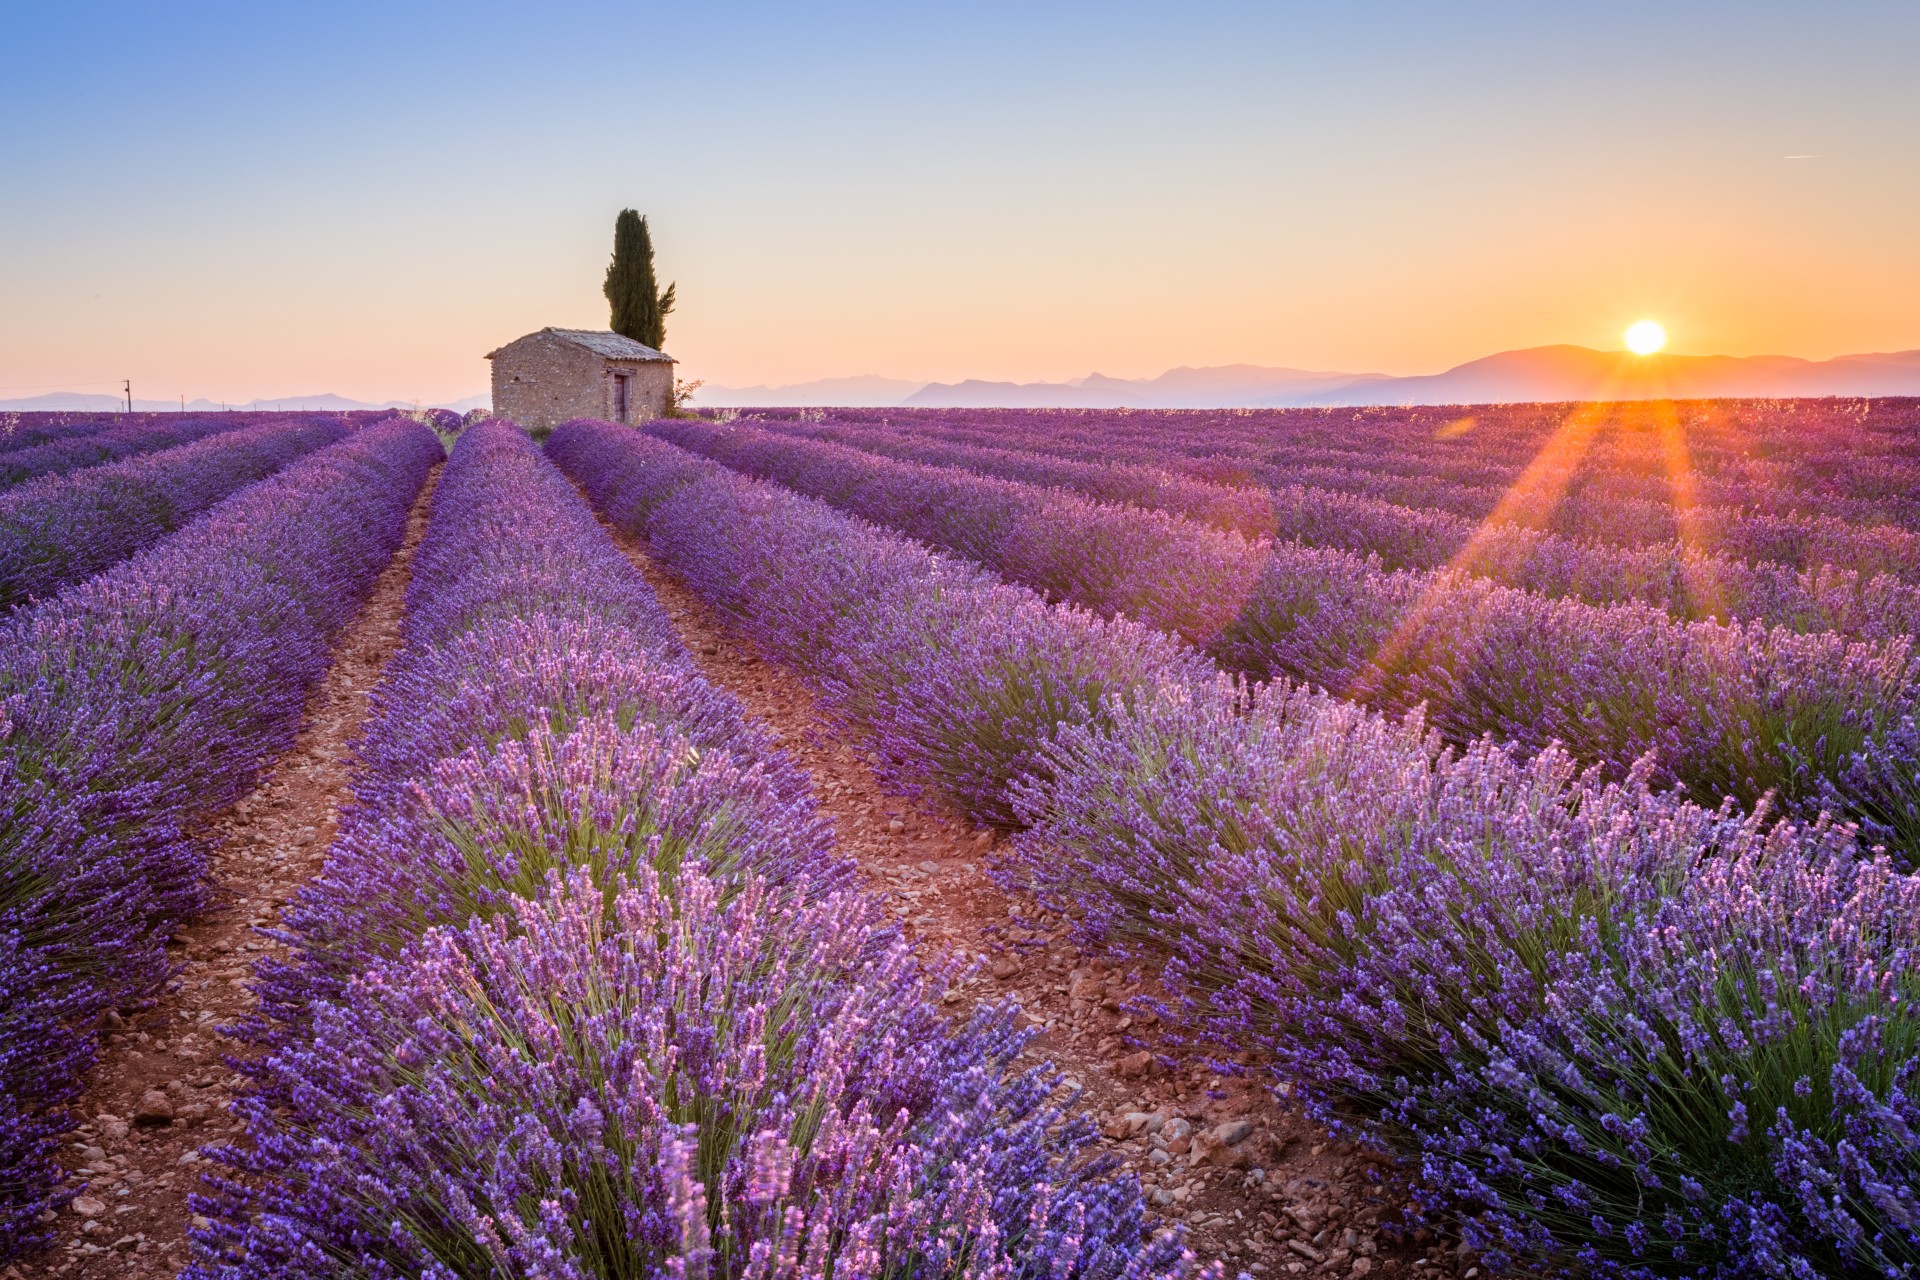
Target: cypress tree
633	293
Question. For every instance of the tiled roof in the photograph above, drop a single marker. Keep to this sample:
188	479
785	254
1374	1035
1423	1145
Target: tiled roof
614	346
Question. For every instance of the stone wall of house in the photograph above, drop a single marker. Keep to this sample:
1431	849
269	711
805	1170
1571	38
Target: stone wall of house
541	381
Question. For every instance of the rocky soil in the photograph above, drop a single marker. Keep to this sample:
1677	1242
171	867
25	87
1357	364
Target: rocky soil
1259	1186
160	1090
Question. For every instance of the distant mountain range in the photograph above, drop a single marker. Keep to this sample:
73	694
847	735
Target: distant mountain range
1537	373
1182	388
80	402
1580	373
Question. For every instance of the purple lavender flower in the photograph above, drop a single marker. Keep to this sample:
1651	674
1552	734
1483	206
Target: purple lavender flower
63	528
121	438
1623	1034
584	990
132	705
646	1081
1727	710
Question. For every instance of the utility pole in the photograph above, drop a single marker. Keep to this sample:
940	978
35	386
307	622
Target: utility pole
128	385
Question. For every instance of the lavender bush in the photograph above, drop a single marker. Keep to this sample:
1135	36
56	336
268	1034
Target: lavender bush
1244	510
1167	572
28	430
1730	711
1831	577
483	829
1615	1028
145	433
130	707
539	679
1855	590
63	528
894	634
1745	479
584	990
1879	785
698	1085
1624	1035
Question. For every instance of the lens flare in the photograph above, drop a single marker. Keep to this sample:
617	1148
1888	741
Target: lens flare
1645	337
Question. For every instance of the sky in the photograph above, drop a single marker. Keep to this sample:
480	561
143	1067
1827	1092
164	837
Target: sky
232	200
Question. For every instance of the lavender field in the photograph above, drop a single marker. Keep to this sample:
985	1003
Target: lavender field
1523	802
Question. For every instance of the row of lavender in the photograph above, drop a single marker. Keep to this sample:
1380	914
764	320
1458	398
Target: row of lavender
1551	496
125	439
584	990
1809	575
30	429
1793	443
1816	449
132	706
61	529
1817	720
1624	1035
1743	520
1829	457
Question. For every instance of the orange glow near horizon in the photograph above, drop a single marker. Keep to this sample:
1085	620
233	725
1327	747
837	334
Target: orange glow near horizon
1538	491
1532	498
949	193
757	308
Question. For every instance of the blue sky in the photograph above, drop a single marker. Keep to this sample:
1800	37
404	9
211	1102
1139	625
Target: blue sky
261	199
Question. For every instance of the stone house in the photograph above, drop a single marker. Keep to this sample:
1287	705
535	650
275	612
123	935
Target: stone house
545	378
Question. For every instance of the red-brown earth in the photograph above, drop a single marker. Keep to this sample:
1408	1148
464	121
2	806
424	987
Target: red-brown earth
161	1087
1259	1186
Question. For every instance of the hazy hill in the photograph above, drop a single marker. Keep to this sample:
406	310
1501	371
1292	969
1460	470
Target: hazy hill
1538	373
1580	373
1182	388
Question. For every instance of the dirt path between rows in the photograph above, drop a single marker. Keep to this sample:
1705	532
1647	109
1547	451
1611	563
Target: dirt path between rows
161	1087
1260	1187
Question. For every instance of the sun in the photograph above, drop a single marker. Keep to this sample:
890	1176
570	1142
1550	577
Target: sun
1644	337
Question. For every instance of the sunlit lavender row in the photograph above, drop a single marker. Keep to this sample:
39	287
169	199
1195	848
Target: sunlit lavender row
1621	1034
585	991
131	707
1808	573
1652	461
1818	721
